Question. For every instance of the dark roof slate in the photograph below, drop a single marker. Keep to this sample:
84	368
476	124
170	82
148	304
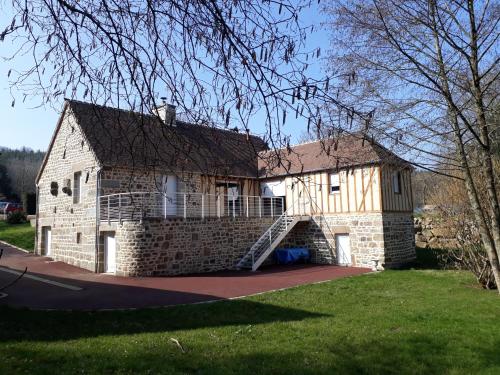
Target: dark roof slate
122	138
348	150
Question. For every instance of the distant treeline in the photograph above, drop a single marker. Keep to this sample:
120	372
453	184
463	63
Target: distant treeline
18	170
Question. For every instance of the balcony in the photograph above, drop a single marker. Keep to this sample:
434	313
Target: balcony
137	206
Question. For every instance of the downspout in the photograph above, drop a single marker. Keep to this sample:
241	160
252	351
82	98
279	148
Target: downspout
97	218
36	218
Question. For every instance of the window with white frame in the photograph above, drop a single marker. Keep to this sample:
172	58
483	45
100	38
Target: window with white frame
77	187
334	183
233	192
396	182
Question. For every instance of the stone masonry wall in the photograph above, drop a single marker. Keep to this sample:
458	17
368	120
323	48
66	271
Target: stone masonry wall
69	154
387	238
399	239
177	246
431	231
123	180
365	235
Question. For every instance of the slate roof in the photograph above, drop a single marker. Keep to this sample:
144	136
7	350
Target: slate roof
121	138
131	139
348	150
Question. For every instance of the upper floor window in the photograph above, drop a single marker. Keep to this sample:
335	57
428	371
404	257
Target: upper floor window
396	182
233	192
77	187
334	183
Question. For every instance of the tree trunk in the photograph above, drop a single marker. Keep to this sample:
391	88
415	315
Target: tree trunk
485	150
480	215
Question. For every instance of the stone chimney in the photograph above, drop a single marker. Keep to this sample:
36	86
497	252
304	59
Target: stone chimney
166	112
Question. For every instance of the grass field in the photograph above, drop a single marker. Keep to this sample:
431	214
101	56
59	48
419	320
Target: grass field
21	235
394	322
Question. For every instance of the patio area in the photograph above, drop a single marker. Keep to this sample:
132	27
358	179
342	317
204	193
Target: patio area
59	286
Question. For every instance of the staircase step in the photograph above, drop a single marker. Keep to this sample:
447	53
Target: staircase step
265	245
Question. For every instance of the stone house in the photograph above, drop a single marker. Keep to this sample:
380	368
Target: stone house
147	194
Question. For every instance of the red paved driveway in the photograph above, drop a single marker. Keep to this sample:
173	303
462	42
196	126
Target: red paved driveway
99	291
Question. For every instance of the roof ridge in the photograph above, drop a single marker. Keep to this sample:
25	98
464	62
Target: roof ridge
150	115
311	142
221	129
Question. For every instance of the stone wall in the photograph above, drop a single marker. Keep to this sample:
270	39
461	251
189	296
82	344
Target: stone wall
365	235
386	238
123	180
72	225
399	241
178	246
433	232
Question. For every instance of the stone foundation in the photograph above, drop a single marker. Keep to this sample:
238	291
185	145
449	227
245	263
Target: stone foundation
399	239
177	246
382	239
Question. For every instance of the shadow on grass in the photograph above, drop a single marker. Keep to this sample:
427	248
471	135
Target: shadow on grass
428	259
397	354
22	324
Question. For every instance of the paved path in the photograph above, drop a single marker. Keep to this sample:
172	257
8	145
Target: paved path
56	285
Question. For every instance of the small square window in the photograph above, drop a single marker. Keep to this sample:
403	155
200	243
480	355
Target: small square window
334	183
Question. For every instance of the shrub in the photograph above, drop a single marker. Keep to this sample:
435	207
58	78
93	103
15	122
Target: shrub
474	259
17	217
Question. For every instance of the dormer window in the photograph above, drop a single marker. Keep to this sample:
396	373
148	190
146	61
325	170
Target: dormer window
334	183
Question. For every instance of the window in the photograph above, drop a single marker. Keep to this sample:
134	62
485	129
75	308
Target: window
78	237
334	183
233	198
396	182
232	192
77	187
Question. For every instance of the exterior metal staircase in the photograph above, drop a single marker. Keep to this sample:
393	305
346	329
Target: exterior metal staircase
271	238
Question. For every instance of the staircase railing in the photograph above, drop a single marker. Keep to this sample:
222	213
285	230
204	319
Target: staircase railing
267	239
135	206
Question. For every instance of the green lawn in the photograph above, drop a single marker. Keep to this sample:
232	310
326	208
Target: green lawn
22	235
395	322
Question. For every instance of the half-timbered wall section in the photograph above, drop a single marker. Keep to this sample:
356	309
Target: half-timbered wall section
354	190
396	189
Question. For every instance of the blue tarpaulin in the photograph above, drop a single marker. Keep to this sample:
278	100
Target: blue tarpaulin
292	255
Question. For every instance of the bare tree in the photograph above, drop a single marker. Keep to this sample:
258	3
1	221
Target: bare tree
428	72
219	61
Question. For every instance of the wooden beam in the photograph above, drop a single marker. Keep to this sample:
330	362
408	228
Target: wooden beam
365	192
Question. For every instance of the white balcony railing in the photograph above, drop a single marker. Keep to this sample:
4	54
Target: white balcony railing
141	205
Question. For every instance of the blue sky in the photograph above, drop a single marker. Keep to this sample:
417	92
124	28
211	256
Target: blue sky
31	125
